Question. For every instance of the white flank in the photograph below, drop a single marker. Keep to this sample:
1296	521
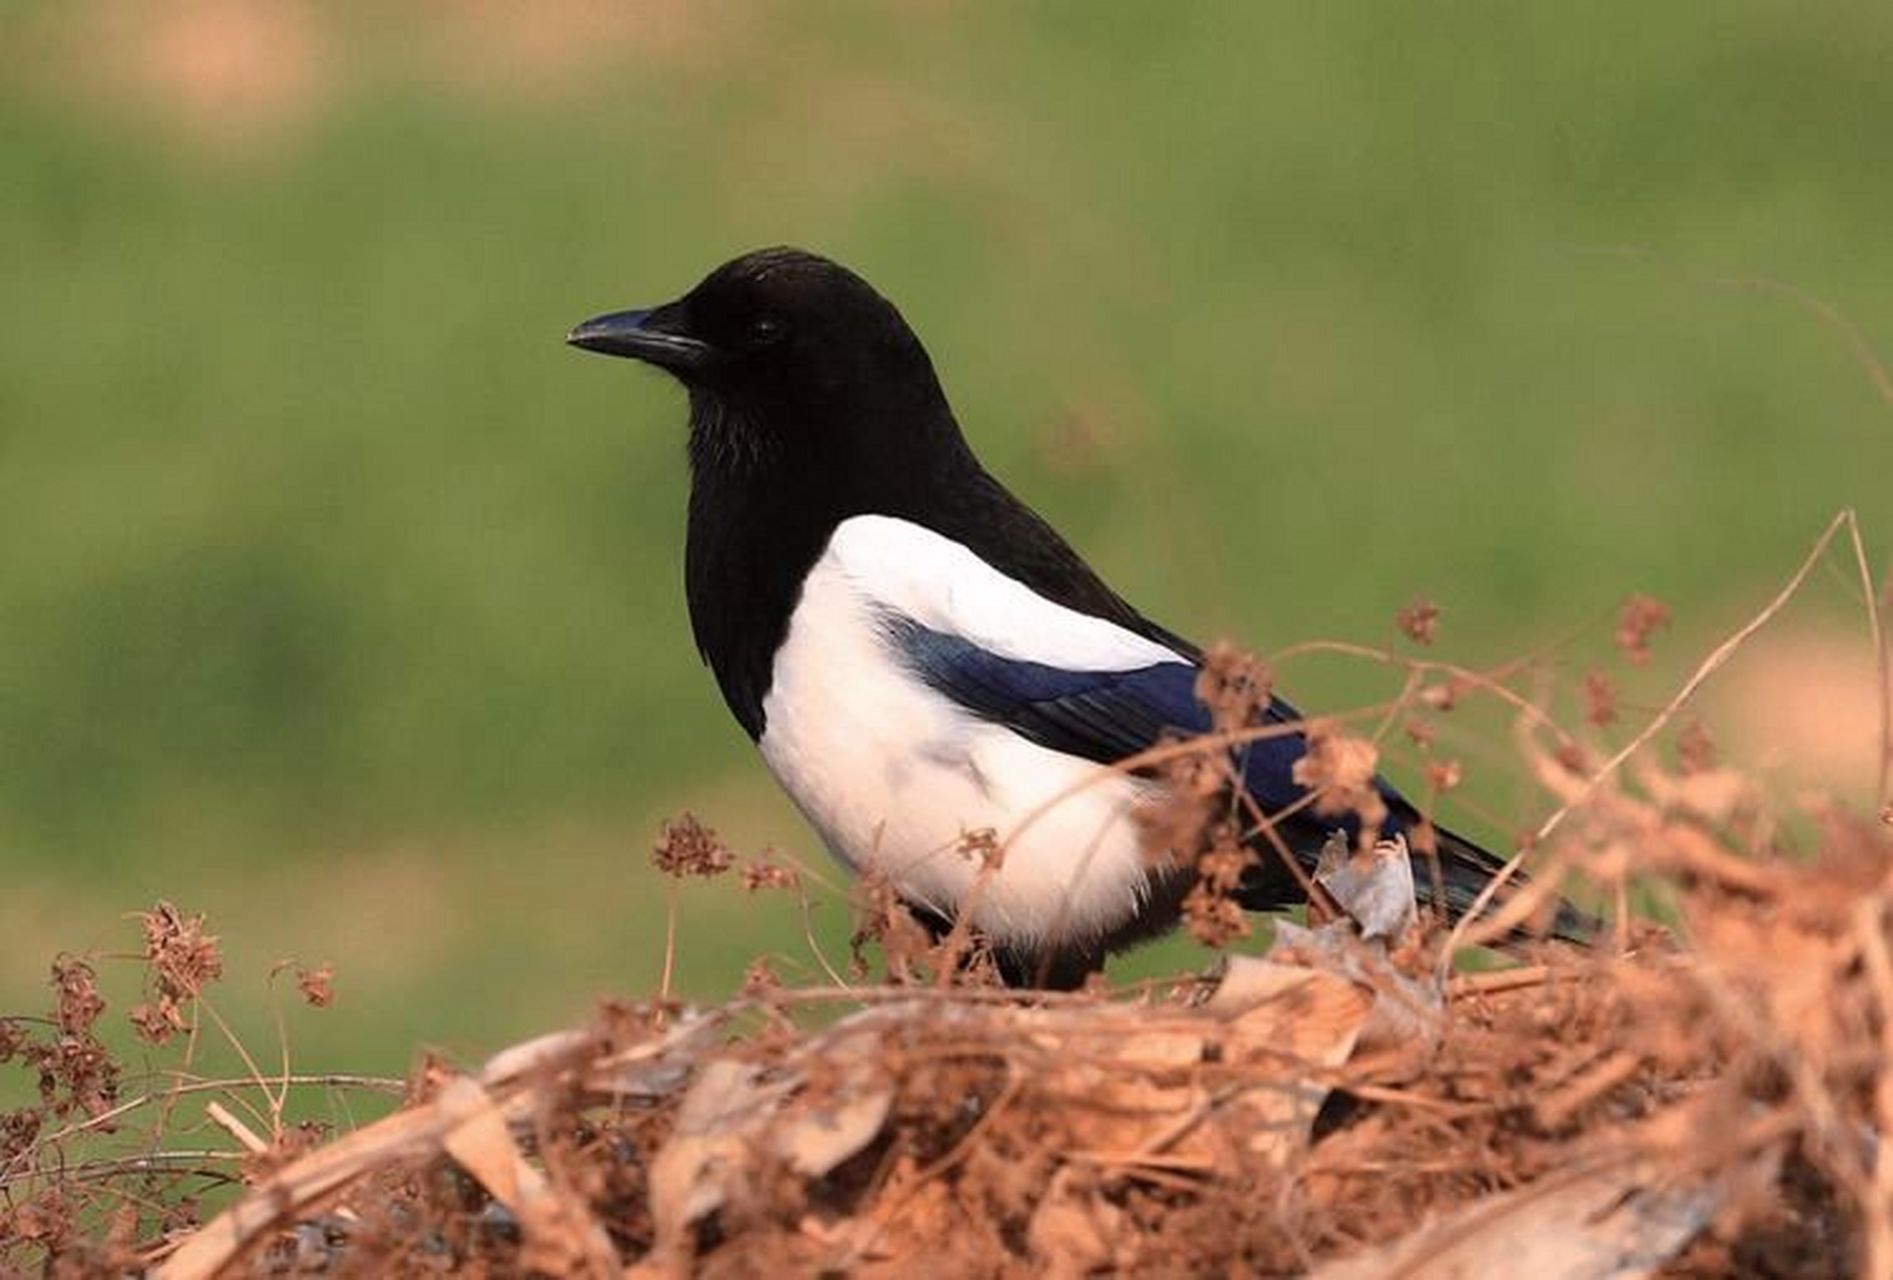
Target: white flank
895	775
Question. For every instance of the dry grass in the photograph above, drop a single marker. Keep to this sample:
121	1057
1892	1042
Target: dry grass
1701	1099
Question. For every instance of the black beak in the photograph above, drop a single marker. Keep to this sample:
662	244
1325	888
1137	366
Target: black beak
650	336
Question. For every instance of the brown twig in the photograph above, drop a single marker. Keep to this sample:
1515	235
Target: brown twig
1496	980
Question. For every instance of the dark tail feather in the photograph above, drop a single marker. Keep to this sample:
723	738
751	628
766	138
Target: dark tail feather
1466	869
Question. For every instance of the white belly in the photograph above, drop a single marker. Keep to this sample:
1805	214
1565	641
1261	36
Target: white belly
895	776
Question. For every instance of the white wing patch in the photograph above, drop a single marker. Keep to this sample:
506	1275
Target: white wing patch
917	573
894	775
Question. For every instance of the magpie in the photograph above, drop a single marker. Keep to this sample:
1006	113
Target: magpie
920	657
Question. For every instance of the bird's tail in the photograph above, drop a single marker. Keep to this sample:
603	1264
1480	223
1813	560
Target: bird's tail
1465	869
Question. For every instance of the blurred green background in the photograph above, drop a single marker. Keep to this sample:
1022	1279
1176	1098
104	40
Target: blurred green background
341	601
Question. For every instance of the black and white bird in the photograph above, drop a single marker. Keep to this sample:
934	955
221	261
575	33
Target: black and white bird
915	652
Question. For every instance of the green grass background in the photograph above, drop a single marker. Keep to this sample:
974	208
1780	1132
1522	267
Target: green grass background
340	600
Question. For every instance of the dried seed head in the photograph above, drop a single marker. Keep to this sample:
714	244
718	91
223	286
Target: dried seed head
1341	769
1641	617
317	985
1695	749
18	1131
156	1021
688	848
80	1003
1210	910
1573	758
1212	918
881	917
760	977
76	1072
981	845
1221	865
1236	687
1445	695
1600	699
1419	621
763	872
1444	775
183	959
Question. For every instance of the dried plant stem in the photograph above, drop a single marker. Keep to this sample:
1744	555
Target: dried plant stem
1882	659
144	1162
277	1100
105	1119
814	945
670	942
1492	682
1833	317
1828	313
245	1136
959	940
1868	360
1706	668
1497	980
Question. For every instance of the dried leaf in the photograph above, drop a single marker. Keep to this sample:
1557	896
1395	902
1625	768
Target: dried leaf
1374	888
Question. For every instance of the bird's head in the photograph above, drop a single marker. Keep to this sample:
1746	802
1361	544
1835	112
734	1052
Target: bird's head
785	342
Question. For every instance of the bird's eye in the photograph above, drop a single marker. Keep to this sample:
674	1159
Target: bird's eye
764	330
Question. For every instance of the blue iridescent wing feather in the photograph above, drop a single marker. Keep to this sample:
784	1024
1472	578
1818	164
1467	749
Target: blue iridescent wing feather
1104	716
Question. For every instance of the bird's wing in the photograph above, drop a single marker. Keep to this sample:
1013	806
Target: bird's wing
1069	681
1082	685
1105	716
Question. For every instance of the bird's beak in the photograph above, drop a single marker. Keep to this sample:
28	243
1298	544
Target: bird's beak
651	336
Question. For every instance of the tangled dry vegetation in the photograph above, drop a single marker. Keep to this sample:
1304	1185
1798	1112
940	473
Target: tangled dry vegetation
1701	1098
